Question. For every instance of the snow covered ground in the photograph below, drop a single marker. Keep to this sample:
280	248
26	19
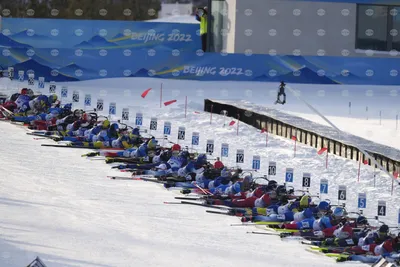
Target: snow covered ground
61	206
330	100
385	131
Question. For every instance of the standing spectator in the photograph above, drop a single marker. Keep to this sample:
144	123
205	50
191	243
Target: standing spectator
201	15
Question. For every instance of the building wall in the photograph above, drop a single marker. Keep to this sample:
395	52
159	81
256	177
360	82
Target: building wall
176	9
321	28
231	32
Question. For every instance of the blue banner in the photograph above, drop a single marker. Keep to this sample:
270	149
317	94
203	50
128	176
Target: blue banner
74	59
97	34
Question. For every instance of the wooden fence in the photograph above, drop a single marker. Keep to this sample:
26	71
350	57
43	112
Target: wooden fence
274	126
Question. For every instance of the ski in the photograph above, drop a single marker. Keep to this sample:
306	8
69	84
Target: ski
82	147
199	204
262	233
189	198
53	137
220	212
120	178
136	179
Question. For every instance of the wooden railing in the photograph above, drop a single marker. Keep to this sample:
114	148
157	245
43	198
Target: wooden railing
284	129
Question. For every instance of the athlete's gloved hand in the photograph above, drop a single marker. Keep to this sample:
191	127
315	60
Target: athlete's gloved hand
319	234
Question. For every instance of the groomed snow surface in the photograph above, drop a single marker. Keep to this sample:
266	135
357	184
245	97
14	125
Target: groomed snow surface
60	206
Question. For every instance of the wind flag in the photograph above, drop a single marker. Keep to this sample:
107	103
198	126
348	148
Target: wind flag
169	102
144	94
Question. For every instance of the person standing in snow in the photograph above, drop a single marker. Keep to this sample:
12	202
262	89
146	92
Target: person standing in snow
201	15
281	92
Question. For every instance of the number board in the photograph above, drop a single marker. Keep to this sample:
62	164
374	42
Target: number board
381	208
64	91
139	119
398	217
256	162
324	187
272	168
181	133
100	105
52	87
153	124
306	180
362	200
289	175
342	194
240	156
224	150
31	79
167	128
125	114
21	75
11	73
88	100
195	138
41	82
112	110
210	147
75	97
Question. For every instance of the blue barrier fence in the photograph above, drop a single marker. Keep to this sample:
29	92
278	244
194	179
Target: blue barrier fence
73	50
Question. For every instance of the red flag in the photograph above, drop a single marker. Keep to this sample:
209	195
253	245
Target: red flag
396	174
294	138
144	94
231	123
263	130
366	162
169	102
322	150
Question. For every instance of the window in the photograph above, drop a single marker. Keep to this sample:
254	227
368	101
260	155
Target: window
378	27
395	32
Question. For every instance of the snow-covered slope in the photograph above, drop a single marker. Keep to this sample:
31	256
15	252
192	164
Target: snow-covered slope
331	100
61	206
380	131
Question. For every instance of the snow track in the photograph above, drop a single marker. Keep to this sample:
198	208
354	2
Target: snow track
61	207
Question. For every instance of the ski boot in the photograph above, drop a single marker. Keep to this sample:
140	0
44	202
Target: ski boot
285	234
343	258
169	184
246	219
109	160
186	191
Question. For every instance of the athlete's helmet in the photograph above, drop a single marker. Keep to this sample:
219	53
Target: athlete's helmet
105	124
324	206
361	220
281	190
201	159
152	143
272	185
339	212
176	147
24	91
53	98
